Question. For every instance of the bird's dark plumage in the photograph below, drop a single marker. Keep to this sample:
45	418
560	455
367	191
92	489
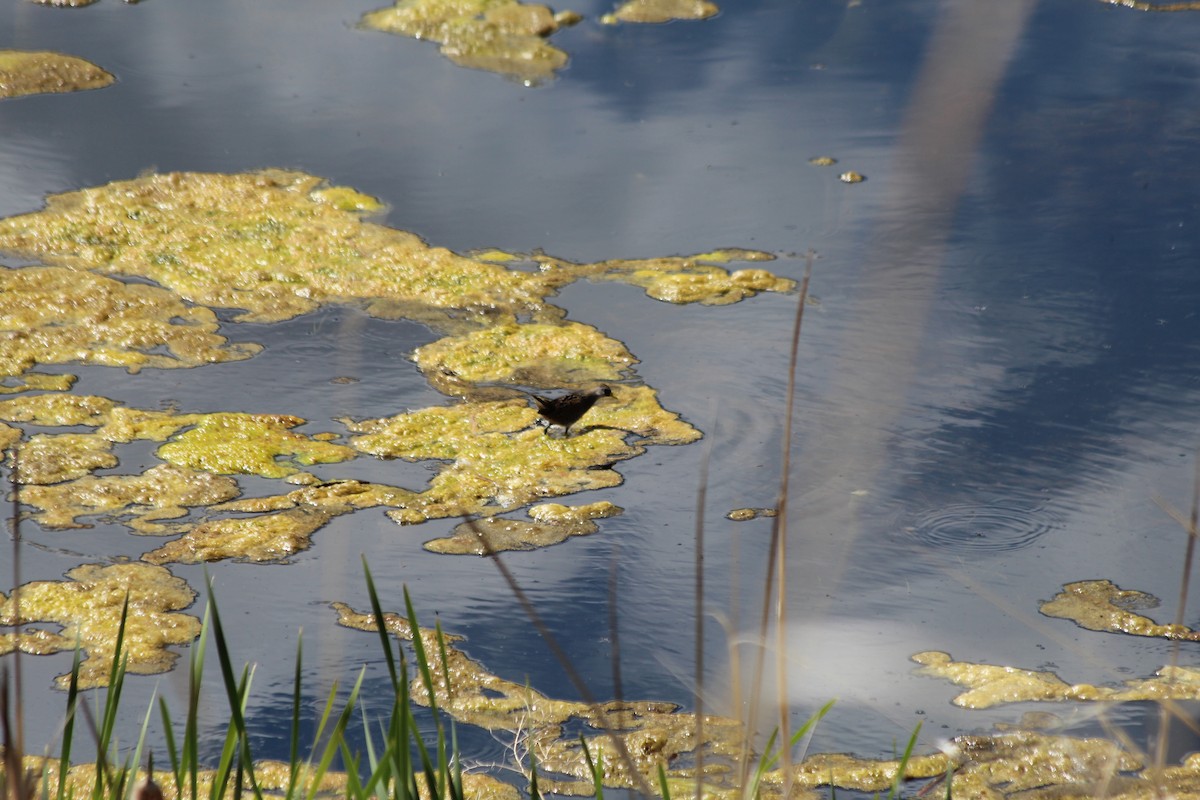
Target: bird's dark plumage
568	408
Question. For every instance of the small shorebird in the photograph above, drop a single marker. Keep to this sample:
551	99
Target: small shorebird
566	409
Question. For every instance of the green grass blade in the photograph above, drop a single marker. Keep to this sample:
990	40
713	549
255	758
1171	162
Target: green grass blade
294	752
419	649
232	689
137	751
336	737
597	772
381	628
663	786
912	742
64	760
170	743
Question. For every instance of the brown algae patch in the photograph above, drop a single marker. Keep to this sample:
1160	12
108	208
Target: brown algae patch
275	243
36	72
552	523
660	11
160	493
88	607
1103	606
569	355
54	315
503	36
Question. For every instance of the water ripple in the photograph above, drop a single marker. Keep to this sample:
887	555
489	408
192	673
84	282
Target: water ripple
995	526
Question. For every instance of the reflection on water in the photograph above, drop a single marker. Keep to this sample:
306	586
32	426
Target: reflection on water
1002	371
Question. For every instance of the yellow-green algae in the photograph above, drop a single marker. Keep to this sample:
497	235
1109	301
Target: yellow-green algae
222	442
274	243
252	444
746	514
162	492
281	243
990	685
1103	606
55	315
25	72
285	525
502	36
570	355
274	779
552	523
1025	764
88	607
497	462
57	409
53	458
696	278
661	11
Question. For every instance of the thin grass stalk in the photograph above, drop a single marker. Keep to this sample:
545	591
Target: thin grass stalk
1164	710
614	633
16	741
777	552
235	692
561	656
534	793
698	613
781	560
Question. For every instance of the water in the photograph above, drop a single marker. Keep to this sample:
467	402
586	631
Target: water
1000	374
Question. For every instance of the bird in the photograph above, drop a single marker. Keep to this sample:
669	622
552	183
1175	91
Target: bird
566	409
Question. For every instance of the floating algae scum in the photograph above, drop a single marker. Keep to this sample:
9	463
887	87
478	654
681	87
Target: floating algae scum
140	472
312	247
